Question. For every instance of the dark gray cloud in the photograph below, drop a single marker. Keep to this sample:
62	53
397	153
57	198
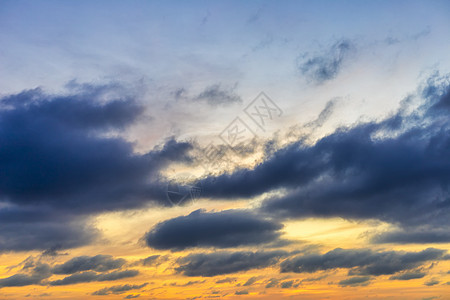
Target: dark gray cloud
151	261
226	280
58	166
224	229
355	281
251	281
189	283
224	262
323	116
243	292
38	273
216	95
287	284
90	276
29	228
413	236
408	275
325	66
118	289
99	263
34	270
432	282
437	91
361	261
273	282
132	296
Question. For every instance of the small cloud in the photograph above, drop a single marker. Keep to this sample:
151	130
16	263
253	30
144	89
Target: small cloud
226	280
216	95
225	262
355	281
244	292
287	284
408	276
432	282
118	289
273	282
250	281
328	64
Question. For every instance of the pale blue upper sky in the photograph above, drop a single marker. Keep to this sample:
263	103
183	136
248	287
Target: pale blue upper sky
245	46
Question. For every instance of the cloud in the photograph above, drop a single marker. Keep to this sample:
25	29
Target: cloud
413	236
226	280
61	164
243	292
118	289
99	263
361	261
224	262
151	261
132	296
355	281
408	275
326	65
432	282
323	116
36	269
189	283
273	282
230	228
215	95
287	284
38	273
396	170
251	281
30	228
90	276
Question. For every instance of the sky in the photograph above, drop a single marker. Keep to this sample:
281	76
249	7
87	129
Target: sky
224	149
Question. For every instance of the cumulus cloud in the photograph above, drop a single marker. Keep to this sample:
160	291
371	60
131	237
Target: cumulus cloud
224	229
432	282
225	262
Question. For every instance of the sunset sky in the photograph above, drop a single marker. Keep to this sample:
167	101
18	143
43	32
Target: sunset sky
224	149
